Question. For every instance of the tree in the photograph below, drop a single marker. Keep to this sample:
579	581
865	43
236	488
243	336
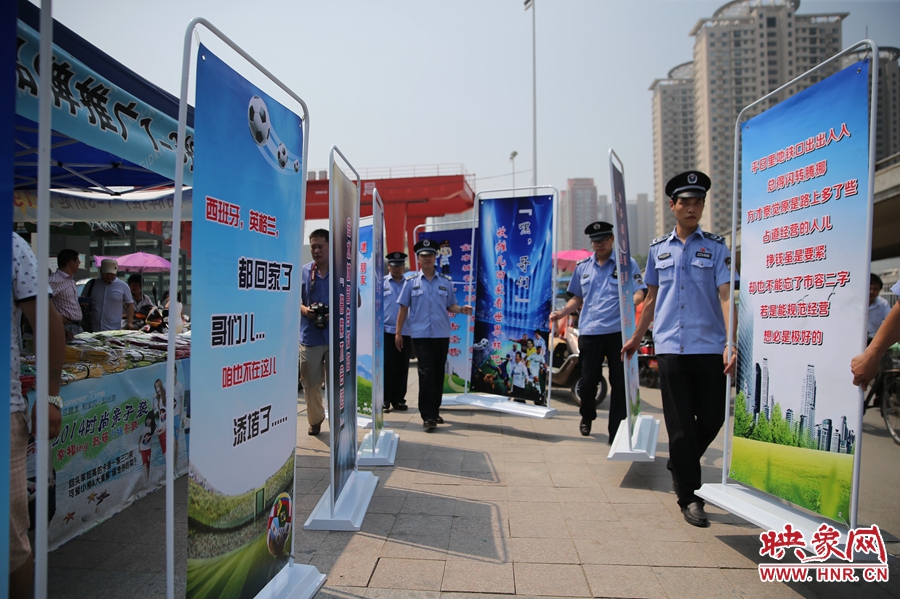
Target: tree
763	429
781	432
743	420
641	259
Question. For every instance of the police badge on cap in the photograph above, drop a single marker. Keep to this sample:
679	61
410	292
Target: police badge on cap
396	258
426	246
599	230
692	184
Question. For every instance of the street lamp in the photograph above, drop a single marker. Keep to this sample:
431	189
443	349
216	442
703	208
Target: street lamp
530	4
512	158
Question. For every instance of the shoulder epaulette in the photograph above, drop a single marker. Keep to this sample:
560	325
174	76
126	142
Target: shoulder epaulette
448	277
660	239
410	275
714	237
583	260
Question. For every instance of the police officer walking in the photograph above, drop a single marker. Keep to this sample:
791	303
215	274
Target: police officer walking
425	299
688	276
595	289
396	362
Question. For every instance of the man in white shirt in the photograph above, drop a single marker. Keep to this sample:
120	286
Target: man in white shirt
111	297
62	282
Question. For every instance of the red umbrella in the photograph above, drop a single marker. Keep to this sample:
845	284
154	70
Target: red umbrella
137	262
567	259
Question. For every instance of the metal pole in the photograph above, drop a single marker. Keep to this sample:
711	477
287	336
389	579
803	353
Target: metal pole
534	179
42	326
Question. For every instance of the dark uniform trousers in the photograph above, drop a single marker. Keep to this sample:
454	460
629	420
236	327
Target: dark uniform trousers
693	388
431	355
396	370
591	351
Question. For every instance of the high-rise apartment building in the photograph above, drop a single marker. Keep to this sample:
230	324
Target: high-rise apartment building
747	49
581	195
673	137
564	226
887	134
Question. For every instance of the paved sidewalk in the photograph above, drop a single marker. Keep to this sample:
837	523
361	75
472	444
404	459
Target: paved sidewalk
488	504
497	504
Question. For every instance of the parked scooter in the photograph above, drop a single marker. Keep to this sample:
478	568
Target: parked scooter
648	366
566	369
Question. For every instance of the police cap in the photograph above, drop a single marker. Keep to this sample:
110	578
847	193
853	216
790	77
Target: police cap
599	230
692	184
426	246
396	258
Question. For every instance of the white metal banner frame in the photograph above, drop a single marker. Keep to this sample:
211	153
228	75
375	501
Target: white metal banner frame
300	581
751	504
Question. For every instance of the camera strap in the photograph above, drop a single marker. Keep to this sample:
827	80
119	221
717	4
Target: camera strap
312	279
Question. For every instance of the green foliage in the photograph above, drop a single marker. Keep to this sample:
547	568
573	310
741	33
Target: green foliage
363	396
743	421
641	259
816	480
763	429
781	432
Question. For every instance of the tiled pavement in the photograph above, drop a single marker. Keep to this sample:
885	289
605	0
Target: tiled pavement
489	504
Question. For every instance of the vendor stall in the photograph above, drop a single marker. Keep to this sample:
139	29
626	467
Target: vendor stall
116	415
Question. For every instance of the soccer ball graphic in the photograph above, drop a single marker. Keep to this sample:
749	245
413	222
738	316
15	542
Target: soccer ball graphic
258	120
296	166
282	155
278	527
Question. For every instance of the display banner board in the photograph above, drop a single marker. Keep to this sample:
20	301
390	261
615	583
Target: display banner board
804	294
342	331
626	293
246	250
111	447
378	321
365	341
454	258
93	110
514	295
7	135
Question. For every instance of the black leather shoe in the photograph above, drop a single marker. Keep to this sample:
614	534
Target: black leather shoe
401	407
429	424
314	429
585	427
540	402
387	408
439	420
695	515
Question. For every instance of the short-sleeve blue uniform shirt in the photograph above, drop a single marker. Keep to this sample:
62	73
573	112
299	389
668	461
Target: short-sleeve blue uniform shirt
598	286
427	302
688	317
392	291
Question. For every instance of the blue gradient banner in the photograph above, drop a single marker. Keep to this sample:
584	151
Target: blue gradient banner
514	293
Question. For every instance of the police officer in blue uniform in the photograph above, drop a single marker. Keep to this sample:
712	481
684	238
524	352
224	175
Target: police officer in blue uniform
688	275
595	290
396	362
425	300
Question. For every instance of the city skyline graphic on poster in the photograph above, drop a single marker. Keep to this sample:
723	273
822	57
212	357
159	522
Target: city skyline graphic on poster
804	293
514	294
246	287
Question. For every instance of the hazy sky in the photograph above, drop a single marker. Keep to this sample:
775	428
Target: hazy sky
404	82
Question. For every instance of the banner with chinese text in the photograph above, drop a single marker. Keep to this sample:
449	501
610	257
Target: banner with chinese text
365	340
454	258
378	279
95	111
247	209
343	387
804	292
111	448
514	294
626	293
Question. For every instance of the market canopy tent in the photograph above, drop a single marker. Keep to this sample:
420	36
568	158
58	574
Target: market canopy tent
115	141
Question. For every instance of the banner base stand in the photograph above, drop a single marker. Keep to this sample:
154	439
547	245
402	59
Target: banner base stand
763	510
498	404
295	581
351	506
384	453
643	441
